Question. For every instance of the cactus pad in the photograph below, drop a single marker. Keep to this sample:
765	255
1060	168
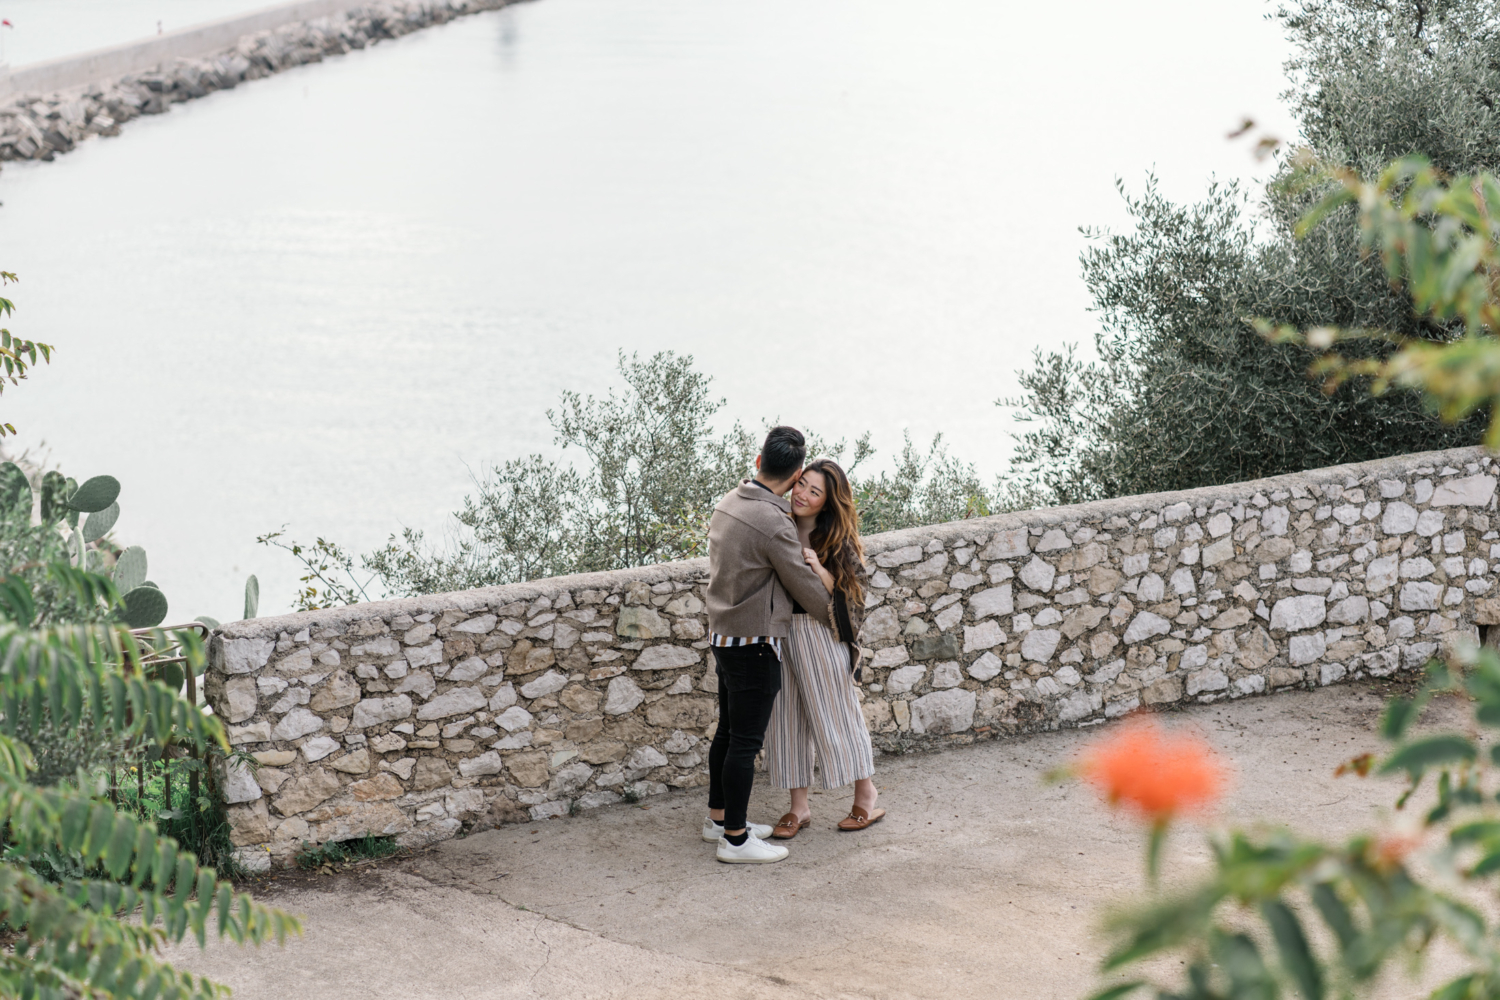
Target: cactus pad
252	596
145	607
130	569
54	491
15	491
95	495
97	524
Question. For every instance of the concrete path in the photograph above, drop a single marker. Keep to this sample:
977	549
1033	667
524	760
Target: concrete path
983	882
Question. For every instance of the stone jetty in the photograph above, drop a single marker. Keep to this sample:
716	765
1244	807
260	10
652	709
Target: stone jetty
40	126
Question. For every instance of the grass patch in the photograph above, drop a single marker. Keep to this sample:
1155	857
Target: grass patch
365	848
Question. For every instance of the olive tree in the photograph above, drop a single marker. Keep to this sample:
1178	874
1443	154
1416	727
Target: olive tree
1185	391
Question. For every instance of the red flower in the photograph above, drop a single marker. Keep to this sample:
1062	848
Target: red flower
1155	773
1391	849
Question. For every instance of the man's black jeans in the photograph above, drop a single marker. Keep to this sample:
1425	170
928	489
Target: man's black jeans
749	679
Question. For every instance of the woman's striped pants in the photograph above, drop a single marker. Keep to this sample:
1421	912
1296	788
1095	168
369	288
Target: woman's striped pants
816	711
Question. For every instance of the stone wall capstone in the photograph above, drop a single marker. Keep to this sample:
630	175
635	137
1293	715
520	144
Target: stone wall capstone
421	717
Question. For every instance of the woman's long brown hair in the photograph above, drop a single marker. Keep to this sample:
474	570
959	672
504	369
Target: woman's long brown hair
835	534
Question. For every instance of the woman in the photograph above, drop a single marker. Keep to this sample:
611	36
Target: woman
817	709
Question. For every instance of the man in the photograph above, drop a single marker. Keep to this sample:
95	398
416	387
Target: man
754	563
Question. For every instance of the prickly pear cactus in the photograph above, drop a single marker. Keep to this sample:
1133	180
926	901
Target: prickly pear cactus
252	596
130	569
95	495
15	491
145	607
98	523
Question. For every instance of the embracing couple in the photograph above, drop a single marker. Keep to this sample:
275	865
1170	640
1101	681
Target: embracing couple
785	599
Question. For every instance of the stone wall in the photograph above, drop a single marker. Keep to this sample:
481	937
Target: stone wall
420	717
48	108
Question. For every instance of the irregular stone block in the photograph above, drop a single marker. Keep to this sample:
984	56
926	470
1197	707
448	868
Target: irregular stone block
946	675
1472	491
1307	649
903	680
1007	544
255	732
486	763
470	669
477	626
248	824
1038	574
1039	644
1381	574
1145	626
380	787
513	719
569	781
1080	621
1350	611
240	698
891	656
682	712
666	657
1079	705
642	622
339	691
899	557
1256	649
1417	568
430	773
1218	552
1293	614
366	819
1430	523
882	624
1160	692
622	696
580	699
1233	618
985	635
455	702
935	647
420	684
274	758
549	683
1418	596
319	747
986	668
928	569
943	712
297	723
374	711
298	661
306	791
995	601
238	784
357	762
1052	540
425	656
245	656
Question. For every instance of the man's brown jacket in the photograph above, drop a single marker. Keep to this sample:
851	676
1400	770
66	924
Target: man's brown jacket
754	561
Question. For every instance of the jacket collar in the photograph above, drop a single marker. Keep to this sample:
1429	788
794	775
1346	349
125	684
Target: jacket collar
750	490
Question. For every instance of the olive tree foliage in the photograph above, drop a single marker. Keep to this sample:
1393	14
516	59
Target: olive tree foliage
1185	391
649	470
638	475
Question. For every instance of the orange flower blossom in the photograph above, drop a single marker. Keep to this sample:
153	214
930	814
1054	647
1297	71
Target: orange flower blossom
1157	774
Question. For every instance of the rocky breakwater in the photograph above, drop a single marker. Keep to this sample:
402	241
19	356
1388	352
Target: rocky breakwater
421	717
39	126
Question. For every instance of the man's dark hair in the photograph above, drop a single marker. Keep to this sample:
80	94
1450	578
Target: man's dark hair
782	454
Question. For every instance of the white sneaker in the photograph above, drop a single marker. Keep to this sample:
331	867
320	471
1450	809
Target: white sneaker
713	830
753	851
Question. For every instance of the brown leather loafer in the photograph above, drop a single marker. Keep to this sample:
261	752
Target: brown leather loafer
789	826
859	818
